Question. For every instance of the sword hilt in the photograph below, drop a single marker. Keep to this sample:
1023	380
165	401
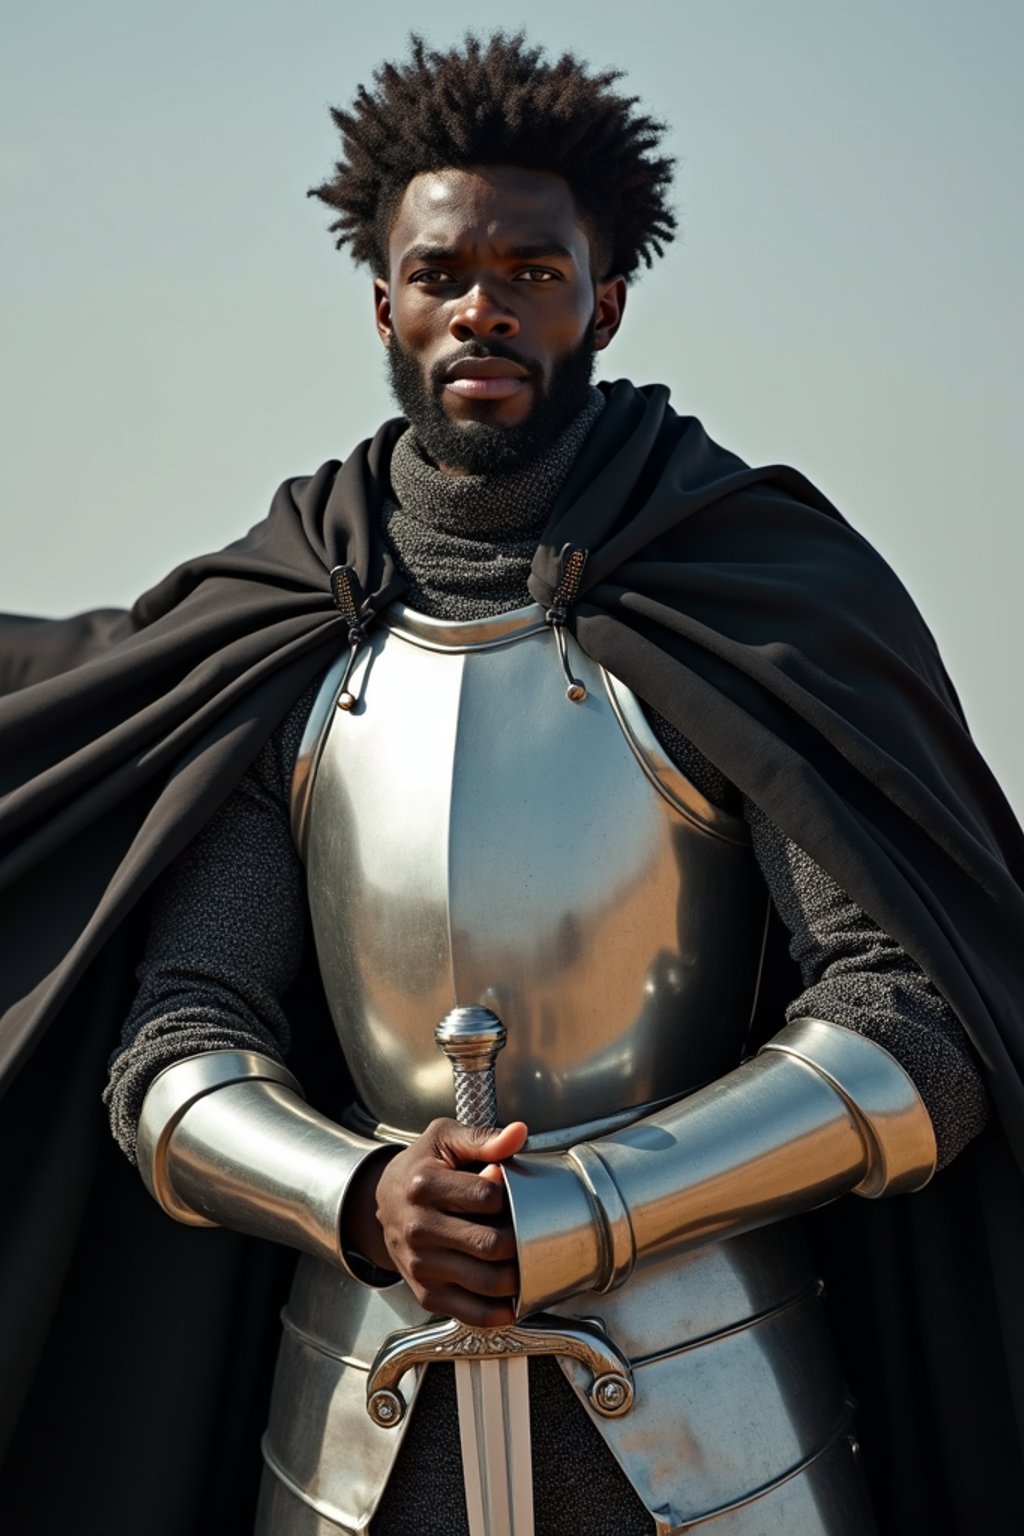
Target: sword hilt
471	1039
610	1389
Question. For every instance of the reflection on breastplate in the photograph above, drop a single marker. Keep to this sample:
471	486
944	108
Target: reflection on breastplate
472	836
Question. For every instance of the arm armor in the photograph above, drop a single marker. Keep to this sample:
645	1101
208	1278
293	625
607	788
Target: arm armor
819	1111
226	1139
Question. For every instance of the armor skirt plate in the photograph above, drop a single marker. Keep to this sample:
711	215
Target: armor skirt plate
740	1424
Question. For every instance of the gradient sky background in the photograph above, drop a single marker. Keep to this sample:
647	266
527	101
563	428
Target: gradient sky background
179	334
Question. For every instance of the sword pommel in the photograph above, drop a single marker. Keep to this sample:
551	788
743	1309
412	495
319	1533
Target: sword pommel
471	1039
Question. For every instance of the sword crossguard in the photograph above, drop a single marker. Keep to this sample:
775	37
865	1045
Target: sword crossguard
610	1392
471	1039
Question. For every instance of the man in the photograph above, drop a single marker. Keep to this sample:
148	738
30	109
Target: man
581	870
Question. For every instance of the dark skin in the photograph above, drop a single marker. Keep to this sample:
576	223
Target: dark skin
492	254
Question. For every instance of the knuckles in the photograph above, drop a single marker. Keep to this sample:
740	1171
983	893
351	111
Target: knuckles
489	1197
497	1282
416	1270
420	1186
488	1243
416	1232
439	1132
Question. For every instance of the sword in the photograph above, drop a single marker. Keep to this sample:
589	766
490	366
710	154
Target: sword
493	1395
491	1380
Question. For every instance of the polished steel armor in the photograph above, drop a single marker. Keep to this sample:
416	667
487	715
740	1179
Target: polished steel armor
225	1139
472	836
728	1325
818	1112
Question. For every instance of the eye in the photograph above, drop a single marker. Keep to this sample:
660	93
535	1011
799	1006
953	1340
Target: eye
538	275
430	275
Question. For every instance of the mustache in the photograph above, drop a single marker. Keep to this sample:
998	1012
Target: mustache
479	349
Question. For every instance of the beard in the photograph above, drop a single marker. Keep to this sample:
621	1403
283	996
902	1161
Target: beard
484	447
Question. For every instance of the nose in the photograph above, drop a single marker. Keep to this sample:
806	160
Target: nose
479	314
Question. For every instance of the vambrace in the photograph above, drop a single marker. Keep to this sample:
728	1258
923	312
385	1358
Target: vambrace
226	1139
820	1111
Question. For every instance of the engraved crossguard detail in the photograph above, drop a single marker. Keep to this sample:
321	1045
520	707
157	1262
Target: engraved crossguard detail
471	1039
611	1379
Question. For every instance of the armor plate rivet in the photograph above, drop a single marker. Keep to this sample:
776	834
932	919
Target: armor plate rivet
576	693
611	1396
386	1408
854	1444
346	700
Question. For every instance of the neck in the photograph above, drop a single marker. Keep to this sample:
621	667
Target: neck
466	542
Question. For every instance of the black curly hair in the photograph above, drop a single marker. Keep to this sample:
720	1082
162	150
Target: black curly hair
498	101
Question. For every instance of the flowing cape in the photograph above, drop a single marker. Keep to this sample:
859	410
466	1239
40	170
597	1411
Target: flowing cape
742	606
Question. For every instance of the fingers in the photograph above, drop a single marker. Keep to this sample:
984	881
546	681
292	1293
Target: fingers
453	1146
451	1301
462	1286
431	1273
443	1189
438	1254
429	1232
446	1228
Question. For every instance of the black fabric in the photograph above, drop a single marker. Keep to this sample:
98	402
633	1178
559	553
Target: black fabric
741	606
577	1484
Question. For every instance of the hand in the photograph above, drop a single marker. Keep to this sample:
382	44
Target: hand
443	1222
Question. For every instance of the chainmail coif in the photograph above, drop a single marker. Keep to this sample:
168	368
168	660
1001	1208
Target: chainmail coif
466	542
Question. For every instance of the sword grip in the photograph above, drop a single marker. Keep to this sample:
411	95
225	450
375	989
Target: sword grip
471	1039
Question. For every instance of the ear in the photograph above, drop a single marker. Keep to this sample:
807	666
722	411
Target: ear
382	310
609	305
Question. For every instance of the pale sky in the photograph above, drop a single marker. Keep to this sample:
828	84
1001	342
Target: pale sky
179	335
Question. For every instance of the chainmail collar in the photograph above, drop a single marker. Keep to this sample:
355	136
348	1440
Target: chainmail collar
466	542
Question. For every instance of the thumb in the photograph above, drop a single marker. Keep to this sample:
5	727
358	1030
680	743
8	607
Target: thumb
505	1141
492	1144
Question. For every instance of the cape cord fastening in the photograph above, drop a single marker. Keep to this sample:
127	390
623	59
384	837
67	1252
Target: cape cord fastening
570	573
347	594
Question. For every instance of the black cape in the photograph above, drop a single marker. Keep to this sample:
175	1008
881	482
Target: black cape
741	605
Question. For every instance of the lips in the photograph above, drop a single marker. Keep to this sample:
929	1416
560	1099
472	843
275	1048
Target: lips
486	378
487	368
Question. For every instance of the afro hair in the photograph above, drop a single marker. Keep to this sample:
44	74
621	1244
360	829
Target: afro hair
499	101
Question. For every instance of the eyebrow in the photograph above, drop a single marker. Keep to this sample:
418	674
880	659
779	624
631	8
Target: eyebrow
534	251
428	253
539	248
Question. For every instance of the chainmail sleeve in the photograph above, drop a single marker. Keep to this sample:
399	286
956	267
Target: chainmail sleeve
853	973
226	935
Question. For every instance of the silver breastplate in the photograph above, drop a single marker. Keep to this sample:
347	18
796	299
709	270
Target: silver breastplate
472	836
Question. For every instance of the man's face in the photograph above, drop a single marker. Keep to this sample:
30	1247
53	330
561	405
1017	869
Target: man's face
491	315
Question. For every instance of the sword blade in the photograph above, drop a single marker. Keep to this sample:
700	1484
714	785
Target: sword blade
494	1430
493	1395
